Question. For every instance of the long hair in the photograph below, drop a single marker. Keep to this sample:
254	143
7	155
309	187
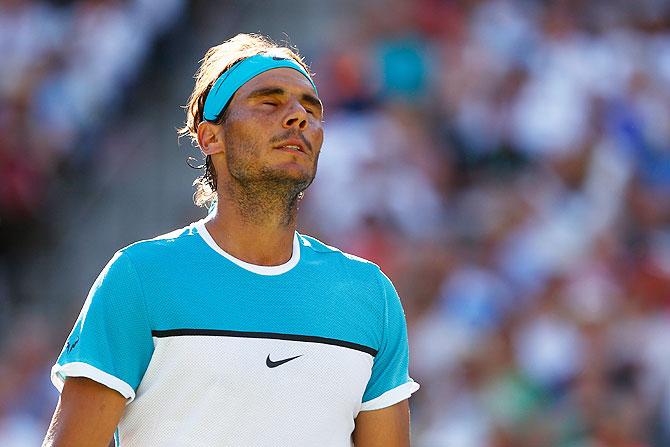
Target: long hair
217	60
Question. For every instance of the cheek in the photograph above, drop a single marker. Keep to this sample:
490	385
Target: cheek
244	134
317	140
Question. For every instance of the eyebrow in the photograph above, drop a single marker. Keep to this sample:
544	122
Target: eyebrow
277	91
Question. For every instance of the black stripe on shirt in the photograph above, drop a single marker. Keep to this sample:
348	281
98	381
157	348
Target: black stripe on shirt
271	335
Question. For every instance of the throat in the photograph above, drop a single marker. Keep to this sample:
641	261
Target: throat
266	205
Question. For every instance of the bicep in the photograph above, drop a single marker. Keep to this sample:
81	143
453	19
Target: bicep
86	415
386	427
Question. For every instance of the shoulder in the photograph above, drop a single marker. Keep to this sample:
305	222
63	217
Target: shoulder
161	247
316	246
329	255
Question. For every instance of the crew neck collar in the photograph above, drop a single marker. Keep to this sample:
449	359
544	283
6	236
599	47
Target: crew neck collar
258	269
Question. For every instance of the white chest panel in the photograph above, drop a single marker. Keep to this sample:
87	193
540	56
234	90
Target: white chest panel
221	391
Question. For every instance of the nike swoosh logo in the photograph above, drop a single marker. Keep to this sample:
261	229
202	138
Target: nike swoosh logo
272	364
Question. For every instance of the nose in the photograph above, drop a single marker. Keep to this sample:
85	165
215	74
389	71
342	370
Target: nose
296	117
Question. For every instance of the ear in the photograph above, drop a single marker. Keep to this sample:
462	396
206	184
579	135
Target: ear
210	138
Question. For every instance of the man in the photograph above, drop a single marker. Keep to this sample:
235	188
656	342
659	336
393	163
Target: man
237	330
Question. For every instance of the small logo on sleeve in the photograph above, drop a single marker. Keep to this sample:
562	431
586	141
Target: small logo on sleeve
70	346
272	364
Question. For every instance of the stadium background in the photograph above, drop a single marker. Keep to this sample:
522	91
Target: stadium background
507	163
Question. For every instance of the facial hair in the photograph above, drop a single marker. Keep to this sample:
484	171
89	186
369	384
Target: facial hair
262	193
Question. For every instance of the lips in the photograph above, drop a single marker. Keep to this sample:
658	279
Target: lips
292	145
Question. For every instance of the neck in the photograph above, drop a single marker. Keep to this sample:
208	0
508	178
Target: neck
263	204
254	223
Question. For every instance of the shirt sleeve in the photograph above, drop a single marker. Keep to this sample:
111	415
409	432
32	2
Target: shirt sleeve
111	340
390	382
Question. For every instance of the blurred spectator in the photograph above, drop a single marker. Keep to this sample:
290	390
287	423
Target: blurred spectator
537	155
64	71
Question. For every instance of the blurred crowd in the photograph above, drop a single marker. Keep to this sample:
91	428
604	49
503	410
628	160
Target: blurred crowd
66	66
506	163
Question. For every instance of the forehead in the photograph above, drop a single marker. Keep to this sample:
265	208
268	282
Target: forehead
288	79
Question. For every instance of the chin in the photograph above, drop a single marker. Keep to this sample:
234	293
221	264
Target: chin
295	172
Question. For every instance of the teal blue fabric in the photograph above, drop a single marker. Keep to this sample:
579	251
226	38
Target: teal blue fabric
390	365
239	74
113	331
180	282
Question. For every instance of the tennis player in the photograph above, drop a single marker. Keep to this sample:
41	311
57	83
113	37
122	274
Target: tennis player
237	330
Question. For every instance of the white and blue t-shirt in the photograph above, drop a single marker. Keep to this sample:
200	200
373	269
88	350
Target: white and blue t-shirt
213	351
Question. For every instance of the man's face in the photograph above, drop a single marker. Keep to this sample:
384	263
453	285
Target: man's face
274	131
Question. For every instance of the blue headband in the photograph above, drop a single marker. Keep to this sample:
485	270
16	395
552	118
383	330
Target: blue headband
240	73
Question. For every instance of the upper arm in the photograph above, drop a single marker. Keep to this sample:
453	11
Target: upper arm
111	340
86	415
386	427
103	360
389	381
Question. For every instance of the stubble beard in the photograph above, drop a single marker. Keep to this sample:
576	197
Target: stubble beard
263	194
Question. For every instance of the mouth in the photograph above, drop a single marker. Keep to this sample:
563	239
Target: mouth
294	146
